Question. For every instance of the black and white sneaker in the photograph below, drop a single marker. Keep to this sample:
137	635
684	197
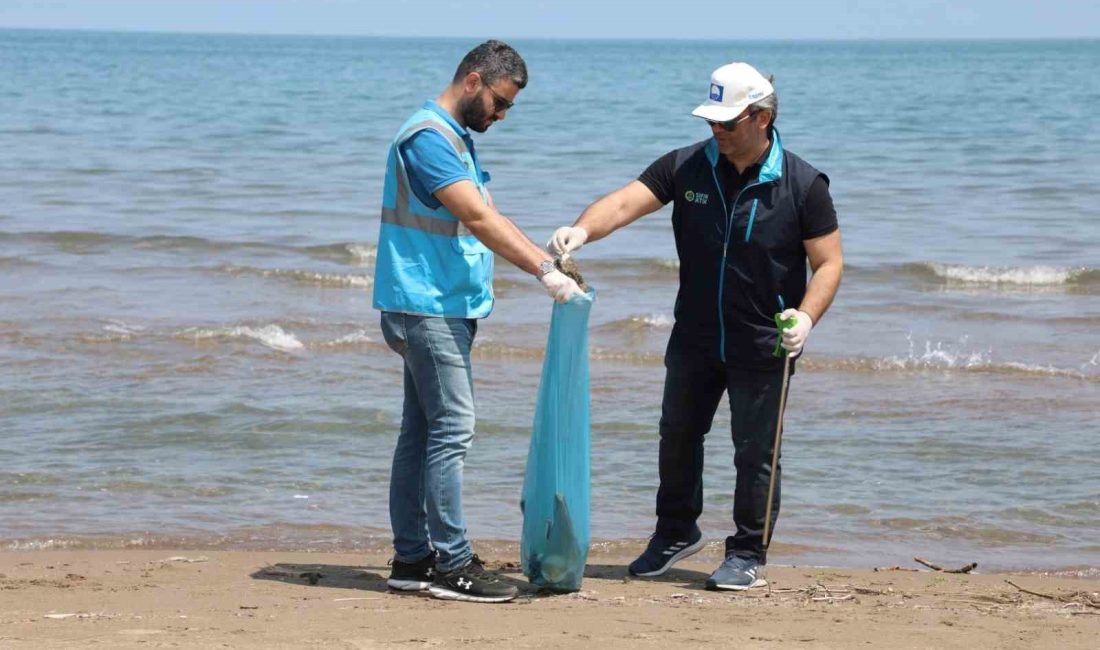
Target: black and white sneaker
472	583
412	576
663	552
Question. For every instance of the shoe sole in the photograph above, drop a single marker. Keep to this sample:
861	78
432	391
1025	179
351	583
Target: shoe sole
714	586
448	594
687	552
407	585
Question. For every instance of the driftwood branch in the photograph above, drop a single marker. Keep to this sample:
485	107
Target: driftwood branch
1033	593
963	569
1082	600
967	568
868	592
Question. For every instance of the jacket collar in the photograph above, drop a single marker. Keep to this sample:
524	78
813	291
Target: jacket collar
772	167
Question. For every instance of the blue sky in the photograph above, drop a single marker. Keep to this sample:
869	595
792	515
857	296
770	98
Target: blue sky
680	19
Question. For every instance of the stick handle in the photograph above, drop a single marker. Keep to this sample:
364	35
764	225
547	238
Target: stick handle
775	450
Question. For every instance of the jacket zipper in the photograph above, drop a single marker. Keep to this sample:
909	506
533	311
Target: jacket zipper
725	249
752	218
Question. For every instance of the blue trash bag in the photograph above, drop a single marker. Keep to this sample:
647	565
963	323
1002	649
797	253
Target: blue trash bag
555	502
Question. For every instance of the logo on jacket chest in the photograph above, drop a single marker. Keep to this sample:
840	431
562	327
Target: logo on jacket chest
696	197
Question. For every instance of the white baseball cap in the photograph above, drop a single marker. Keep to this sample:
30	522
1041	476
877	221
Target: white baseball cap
733	87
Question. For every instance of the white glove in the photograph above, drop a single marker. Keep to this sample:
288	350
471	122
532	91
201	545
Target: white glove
794	338
566	240
560	286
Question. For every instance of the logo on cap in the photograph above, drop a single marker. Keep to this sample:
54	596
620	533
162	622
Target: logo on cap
715	92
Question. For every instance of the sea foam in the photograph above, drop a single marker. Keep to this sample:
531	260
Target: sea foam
271	336
1009	275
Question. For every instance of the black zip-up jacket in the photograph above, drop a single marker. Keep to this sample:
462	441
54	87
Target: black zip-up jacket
742	259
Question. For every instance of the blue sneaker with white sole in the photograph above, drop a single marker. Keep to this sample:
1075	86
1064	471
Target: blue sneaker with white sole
737	574
663	552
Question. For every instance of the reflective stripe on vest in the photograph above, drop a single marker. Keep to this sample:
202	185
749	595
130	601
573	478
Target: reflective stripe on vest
400	214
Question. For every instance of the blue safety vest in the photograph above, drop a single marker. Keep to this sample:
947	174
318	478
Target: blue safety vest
428	263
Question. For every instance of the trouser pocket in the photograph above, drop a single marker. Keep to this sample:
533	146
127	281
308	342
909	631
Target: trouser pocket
393	331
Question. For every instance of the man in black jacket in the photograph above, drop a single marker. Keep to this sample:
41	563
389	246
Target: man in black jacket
746	216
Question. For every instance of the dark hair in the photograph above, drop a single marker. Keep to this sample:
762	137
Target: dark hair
493	60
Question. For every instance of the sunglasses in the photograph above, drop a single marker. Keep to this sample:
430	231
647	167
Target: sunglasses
731	124
500	103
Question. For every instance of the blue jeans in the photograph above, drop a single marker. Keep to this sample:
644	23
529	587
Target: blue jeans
437	425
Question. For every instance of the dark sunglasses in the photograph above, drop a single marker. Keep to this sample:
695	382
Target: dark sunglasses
731	124
500	103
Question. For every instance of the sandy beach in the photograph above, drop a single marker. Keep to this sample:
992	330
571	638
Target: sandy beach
242	599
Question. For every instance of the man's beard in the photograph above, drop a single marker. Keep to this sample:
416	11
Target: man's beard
474	115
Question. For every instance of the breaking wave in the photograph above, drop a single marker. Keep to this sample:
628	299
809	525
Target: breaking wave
639	323
1023	276
355	339
350	253
933	358
271	336
308	278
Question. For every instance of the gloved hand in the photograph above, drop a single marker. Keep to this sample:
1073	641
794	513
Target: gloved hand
794	338
566	240
560	286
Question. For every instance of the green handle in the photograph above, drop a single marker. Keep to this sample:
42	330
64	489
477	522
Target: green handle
782	324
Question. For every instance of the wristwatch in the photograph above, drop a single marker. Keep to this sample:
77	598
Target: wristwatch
546	266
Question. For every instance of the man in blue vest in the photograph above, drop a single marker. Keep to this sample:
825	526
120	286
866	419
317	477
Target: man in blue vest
746	216
433	281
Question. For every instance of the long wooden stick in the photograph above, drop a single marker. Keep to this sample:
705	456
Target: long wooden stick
775	450
1033	593
1059	598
